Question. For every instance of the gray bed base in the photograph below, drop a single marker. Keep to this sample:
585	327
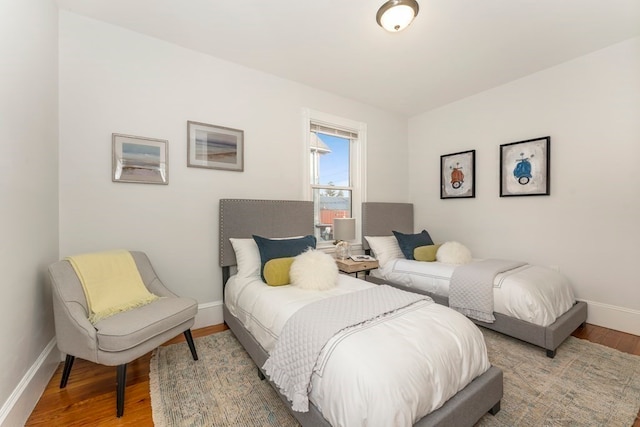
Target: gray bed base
549	337
275	218
379	219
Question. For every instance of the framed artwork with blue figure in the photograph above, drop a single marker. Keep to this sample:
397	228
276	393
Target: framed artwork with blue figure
458	175
525	167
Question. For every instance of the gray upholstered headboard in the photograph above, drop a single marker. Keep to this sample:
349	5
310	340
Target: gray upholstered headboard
241	218
380	219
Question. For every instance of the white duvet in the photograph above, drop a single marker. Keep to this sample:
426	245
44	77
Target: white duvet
532	293
389	372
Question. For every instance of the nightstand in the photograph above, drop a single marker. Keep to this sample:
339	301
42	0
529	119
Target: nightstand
349	266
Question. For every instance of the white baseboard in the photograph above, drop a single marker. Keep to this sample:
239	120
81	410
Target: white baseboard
613	317
18	407
208	314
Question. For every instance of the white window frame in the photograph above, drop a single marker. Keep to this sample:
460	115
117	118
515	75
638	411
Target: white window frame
357	165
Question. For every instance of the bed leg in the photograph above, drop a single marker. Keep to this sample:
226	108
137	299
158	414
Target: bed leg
260	375
551	354
495	409
582	325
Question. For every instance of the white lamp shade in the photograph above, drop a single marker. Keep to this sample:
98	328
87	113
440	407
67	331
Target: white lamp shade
396	15
344	228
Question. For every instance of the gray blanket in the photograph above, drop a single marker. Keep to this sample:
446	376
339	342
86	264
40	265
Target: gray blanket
291	363
471	287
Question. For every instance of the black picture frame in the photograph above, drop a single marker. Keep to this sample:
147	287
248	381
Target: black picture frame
458	175
525	168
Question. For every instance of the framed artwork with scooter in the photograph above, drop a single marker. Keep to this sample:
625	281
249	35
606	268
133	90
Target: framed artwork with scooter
458	175
525	167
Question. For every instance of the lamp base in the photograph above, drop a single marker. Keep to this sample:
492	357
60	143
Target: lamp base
343	250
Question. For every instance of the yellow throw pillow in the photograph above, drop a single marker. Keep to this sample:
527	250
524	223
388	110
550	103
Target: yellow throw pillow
276	271
426	253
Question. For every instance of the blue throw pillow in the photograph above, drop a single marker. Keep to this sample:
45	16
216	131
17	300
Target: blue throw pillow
282	248
408	242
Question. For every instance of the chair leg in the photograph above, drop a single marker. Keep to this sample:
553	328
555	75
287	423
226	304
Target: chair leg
68	363
121	382
192	346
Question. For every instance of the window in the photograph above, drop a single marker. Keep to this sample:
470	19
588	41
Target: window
335	171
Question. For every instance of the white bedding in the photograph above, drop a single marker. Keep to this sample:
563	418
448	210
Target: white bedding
532	293
421	355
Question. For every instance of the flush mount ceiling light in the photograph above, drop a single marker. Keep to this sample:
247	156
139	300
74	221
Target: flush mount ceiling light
396	15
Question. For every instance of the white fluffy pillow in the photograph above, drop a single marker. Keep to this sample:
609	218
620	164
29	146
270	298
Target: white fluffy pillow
385	248
453	253
314	270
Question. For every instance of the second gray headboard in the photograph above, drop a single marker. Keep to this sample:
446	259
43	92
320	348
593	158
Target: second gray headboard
380	219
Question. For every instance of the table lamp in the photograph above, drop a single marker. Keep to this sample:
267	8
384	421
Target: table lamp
344	229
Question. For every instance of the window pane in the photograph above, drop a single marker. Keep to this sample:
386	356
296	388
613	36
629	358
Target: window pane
329	204
333	163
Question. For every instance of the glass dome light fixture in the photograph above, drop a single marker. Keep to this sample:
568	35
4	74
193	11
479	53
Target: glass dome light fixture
396	15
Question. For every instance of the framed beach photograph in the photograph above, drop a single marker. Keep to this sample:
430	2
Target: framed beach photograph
139	159
525	167
214	147
458	175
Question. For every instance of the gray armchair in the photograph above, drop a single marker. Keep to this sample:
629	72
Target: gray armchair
123	337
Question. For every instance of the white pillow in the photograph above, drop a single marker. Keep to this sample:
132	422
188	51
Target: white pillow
314	270
385	248
453	253
247	257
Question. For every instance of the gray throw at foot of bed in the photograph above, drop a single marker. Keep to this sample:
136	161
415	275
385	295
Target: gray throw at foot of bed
471	291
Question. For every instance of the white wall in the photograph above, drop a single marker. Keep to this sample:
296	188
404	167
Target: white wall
28	201
589	226
115	80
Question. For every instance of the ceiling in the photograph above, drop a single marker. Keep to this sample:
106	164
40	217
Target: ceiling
454	48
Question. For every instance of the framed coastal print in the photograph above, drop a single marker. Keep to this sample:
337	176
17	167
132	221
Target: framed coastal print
458	175
215	147
139	159
525	167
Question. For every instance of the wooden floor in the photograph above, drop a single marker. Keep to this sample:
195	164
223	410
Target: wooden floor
90	395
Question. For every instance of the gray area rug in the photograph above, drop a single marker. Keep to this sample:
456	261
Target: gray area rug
222	388
586	384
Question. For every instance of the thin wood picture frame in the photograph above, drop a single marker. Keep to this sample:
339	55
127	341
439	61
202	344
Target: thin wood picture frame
525	168
137	159
458	175
214	147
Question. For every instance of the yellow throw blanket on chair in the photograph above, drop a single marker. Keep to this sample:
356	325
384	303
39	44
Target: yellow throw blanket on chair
111	283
